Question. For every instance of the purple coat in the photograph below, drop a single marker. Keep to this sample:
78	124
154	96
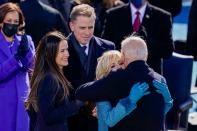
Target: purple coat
14	85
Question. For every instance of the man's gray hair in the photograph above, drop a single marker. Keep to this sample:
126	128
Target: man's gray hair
135	48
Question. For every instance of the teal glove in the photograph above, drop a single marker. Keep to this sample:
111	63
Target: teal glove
162	88
138	91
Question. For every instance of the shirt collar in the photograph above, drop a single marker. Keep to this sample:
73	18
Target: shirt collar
87	47
141	10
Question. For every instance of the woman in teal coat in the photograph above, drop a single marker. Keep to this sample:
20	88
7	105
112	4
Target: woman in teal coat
107	115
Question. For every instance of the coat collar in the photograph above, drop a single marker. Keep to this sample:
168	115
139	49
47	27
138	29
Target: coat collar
4	45
146	17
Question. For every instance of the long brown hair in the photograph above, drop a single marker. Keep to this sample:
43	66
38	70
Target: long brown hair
45	63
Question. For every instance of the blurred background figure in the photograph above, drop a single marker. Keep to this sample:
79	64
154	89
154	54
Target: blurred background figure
16	60
173	6
62	6
41	18
150	22
3	1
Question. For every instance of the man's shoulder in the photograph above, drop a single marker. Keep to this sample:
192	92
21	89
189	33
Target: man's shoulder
118	9
158	10
157	76
70	38
104	42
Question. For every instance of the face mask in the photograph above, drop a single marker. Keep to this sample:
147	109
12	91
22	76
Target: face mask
9	29
136	3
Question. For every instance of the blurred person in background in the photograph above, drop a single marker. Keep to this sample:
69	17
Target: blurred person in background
41	18
154	25
173	6
3	1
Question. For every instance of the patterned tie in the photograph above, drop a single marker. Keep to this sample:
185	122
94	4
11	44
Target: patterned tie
136	24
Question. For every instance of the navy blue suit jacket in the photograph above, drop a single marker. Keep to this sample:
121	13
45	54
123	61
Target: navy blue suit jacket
149	114
74	72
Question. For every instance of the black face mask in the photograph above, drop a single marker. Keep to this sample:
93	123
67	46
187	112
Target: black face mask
9	29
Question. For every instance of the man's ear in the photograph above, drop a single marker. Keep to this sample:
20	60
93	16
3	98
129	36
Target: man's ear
71	24
123	57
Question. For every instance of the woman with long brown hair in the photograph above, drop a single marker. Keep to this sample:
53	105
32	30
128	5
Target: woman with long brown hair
48	102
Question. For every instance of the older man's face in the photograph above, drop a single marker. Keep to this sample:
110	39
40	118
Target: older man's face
83	28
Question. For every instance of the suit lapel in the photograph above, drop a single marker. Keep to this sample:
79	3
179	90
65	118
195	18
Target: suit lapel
73	53
95	51
127	14
147	15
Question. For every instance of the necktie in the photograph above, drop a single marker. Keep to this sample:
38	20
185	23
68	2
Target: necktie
85	59
136	24
84	49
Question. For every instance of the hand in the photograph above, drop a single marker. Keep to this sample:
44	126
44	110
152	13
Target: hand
138	91
162	88
23	47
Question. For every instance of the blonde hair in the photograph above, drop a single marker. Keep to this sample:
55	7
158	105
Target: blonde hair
105	62
82	10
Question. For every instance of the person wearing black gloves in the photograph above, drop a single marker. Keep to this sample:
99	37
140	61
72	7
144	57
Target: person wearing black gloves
16	60
23	48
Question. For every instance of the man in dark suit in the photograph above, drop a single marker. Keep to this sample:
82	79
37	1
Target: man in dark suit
41	18
149	114
84	49
173	6
155	27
